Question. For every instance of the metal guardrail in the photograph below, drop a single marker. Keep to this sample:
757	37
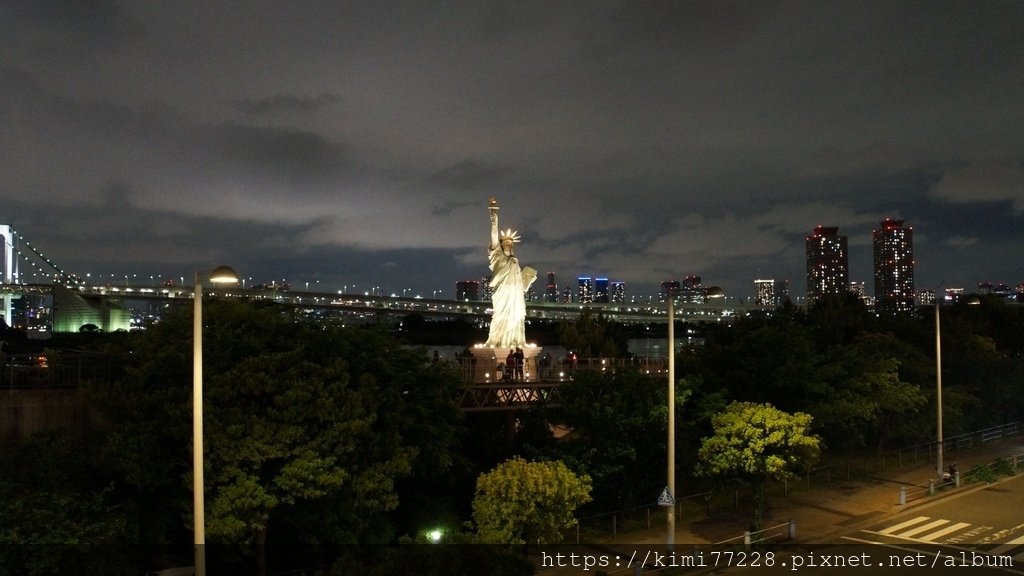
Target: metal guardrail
509	395
732	552
958	480
710	503
868	466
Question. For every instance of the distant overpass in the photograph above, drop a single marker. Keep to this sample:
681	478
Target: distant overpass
105	306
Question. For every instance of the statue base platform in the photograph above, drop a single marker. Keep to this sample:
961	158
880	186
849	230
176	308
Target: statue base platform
489	365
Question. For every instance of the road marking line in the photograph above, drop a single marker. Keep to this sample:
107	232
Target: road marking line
948	529
925	528
902	525
1010	544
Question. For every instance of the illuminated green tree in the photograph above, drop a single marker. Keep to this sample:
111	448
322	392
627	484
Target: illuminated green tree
519	502
758	443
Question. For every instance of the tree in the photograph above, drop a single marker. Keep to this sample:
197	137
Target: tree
593	337
867	398
758	443
57	511
764	361
608	413
519	502
308	429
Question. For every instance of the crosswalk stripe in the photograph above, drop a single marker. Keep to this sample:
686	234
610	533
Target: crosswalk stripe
947	530
902	525
920	529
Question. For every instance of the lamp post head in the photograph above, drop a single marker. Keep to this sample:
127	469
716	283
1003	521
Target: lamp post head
223	275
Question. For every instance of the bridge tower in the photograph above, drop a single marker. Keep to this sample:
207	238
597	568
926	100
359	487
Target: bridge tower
10	268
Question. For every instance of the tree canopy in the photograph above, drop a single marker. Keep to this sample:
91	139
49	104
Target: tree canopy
521	502
310	429
758	442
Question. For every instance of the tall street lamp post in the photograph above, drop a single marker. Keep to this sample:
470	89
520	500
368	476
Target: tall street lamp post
938	393
671	512
219	275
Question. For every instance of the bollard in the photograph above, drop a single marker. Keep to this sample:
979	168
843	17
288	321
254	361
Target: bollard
903	495
746	539
931	487
956	479
792	530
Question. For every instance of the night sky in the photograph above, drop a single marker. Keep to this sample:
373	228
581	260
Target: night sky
357	143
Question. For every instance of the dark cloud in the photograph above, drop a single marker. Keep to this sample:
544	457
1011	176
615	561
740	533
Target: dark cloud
66	27
638	140
292	155
285	104
469	175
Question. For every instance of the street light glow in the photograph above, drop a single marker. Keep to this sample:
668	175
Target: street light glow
219	275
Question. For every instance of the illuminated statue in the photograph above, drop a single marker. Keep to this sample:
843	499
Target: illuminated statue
508	287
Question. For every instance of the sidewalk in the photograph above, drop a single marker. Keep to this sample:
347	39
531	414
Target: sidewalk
824	512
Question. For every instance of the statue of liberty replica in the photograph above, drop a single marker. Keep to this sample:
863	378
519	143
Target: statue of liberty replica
509	284
507	336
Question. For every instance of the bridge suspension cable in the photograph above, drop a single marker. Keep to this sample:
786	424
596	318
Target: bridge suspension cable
61	275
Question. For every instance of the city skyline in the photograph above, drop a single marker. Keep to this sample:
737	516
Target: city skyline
357	144
825	249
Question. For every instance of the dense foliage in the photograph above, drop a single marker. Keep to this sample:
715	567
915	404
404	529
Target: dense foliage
309	432
339	440
522	502
758	442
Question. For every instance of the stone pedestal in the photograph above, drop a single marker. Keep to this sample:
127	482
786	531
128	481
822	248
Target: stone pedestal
487	359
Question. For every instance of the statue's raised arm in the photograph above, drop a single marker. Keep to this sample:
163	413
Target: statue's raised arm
508	286
493	209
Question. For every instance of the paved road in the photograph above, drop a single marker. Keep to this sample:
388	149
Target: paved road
854	527
988	522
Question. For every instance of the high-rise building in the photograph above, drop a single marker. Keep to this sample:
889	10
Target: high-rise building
551	290
485	283
764	291
692	291
668	287
601	290
859	290
467	290
566	296
952	295
926	297
894	268
585	290
1001	290
618	291
781	291
827	264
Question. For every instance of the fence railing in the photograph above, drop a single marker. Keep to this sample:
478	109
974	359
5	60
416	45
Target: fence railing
731	552
1013	463
712	503
874	465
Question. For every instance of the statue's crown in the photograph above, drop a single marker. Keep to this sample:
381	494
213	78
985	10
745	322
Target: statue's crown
509	234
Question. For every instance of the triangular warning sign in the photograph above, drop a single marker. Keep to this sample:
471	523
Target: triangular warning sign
666	498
